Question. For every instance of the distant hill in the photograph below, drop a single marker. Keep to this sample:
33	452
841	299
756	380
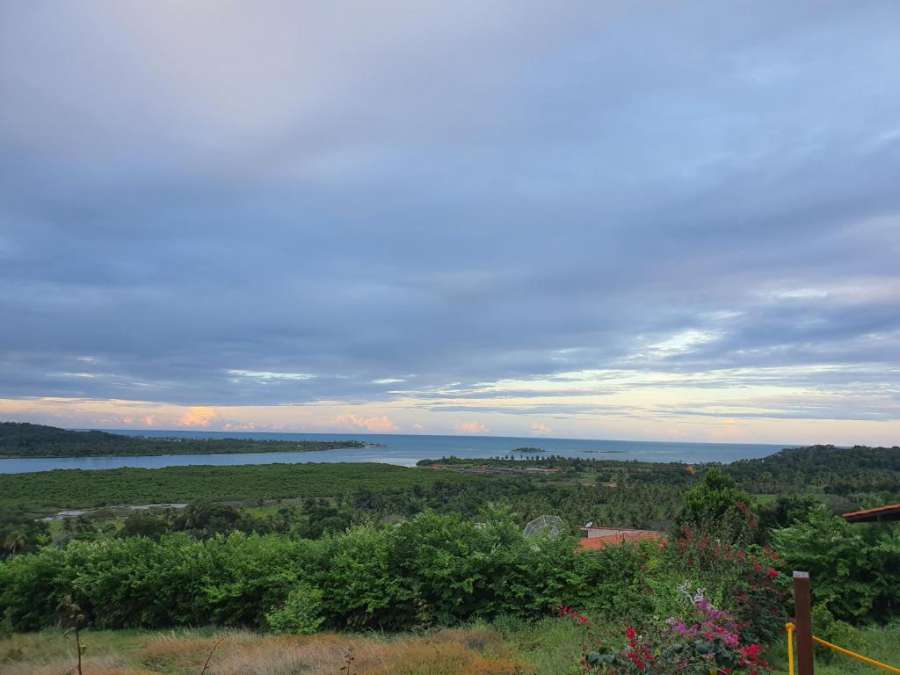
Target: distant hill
20	439
833	469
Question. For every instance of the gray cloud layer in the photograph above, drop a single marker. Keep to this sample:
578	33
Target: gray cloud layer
232	203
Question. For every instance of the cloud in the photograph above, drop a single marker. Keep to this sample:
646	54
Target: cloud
240	426
378	425
540	428
198	416
553	199
268	376
471	428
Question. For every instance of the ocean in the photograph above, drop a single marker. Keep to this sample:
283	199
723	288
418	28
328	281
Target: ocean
403	450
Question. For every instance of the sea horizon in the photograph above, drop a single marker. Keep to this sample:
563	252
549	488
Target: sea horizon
351	435
399	449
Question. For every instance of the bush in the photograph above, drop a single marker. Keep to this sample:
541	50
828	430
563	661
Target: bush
617	582
855	568
833	630
717	508
301	613
431	570
702	639
745	581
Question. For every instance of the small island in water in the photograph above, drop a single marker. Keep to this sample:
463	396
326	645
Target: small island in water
20	439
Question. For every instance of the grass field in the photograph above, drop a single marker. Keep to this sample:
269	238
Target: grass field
244	653
84	489
548	647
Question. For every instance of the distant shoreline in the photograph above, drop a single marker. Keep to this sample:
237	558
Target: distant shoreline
245	448
20	440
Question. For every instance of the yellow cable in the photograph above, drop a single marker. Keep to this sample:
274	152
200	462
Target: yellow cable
789	627
854	655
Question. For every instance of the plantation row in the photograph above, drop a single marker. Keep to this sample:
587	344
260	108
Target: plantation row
80	488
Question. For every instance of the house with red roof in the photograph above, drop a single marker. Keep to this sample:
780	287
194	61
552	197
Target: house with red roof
596	537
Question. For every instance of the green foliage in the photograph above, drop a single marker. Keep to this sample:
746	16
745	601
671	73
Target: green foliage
20	439
144	524
824	468
699	639
301	612
20	533
328	560
833	630
743	580
717	507
855	568
785	510
79	488
431	570
618	581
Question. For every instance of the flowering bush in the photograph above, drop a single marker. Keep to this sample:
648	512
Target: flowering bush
706	639
566	612
745	581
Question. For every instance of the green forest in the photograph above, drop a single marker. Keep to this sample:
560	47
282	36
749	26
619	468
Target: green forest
21	439
307	548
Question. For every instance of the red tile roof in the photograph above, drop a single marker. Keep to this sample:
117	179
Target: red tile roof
887	512
596	543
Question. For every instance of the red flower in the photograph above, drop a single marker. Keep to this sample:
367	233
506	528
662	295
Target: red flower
631	634
751	652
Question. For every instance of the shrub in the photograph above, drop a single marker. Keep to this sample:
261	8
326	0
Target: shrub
360	589
833	630
431	570
301	613
855	568
717	508
615	581
745	581
704	639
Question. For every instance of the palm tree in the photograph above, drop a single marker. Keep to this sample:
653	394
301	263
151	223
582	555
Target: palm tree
15	542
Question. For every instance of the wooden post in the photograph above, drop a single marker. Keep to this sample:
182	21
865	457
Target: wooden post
803	622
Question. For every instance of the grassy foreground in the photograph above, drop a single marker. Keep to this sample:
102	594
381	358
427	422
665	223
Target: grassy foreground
550	646
77	488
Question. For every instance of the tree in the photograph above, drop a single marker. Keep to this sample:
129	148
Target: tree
717	507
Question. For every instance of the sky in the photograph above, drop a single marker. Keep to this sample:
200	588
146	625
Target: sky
642	220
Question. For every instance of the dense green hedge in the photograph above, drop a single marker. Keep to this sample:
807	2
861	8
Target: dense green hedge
430	570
